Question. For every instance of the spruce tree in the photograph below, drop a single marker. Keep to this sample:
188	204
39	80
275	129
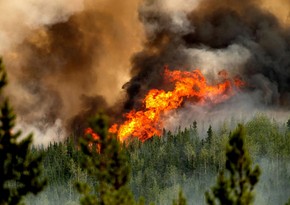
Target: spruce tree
107	163
235	185
19	170
209	135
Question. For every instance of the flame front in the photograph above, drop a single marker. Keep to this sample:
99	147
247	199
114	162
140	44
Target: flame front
146	123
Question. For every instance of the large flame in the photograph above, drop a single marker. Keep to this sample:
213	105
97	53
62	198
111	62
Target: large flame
193	86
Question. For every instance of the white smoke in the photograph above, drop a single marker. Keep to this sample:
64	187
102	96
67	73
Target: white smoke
176	10
239	109
173	6
209	61
45	135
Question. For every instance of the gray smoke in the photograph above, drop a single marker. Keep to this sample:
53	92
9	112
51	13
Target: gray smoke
247	38
67	60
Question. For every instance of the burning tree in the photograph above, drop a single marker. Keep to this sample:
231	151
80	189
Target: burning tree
235	186
19	170
107	162
187	85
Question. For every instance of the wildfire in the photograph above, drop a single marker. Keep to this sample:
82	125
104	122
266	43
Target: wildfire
95	136
146	123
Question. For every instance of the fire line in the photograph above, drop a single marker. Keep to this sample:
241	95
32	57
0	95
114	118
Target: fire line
188	85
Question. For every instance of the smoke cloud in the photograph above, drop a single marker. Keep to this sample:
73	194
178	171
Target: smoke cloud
67	60
63	56
249	38
18	19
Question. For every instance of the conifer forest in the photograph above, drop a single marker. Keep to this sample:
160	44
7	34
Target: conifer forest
145	102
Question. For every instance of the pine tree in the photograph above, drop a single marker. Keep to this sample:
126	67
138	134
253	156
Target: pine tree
107	162
19	170
235	185
209	135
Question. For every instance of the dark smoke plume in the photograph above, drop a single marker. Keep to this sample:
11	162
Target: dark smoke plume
68	59
242	37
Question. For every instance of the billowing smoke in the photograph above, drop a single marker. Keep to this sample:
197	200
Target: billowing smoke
19	19
67	60
248	38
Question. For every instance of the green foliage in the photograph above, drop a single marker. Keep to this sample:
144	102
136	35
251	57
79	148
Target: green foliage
107	162
20	170
235	186
160	166
209	135
62	168
181	199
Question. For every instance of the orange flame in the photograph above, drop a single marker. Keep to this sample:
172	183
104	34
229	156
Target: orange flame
146	123
95	136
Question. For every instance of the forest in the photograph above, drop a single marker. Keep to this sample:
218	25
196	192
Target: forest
185	160
178	168
145	102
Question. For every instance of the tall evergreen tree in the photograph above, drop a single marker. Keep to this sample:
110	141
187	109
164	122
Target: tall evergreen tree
19	170
209	135
107	162
235	185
